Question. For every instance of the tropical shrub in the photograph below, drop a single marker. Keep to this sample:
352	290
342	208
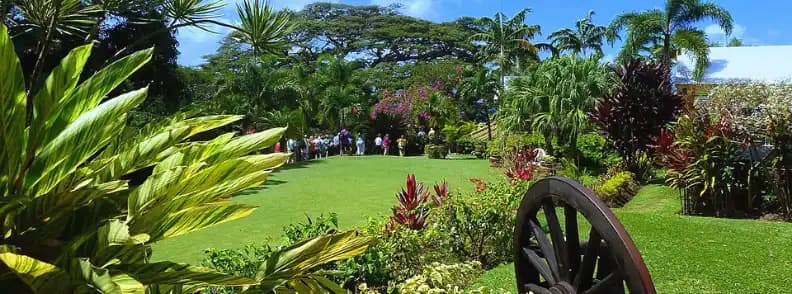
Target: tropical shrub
521	164
243	262
617	189
73	219
480	224
729	155
442	278
595	152
555	98
642	104
436	151
312	228
414	204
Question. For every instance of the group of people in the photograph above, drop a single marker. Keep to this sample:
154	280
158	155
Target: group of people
323	145
383	144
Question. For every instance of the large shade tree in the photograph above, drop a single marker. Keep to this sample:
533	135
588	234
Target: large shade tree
666	33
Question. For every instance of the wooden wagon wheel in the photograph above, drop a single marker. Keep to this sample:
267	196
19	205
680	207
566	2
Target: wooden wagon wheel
561	262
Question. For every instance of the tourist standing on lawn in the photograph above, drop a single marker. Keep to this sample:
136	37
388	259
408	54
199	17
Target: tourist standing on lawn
337	143
304	148
361	144
290	149
402	142
277	147
386	144
378	144
326	145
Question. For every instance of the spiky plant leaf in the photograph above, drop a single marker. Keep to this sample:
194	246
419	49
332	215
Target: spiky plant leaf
79	141
12	110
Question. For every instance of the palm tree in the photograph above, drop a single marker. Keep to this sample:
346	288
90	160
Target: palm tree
586	35
262	28
555	97
341	90
480	87
507	41
667	32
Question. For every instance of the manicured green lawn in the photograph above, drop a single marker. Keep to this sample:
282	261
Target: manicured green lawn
353	187
696	254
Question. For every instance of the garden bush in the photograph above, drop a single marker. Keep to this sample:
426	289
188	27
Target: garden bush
442	278
730	155
634	113
595	152
436	151
617	189
480	224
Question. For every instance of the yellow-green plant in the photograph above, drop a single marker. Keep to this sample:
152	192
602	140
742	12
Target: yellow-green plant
71	221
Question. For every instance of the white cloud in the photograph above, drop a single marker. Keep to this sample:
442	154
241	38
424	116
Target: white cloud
416	8
715	33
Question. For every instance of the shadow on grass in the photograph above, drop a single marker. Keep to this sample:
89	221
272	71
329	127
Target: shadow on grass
300	164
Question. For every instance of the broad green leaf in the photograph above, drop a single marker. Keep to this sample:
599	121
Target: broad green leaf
295	262
128	284
51	207
42	277
79	141
155	186
144	153
58	85
95	279
206	123
12	111
171	273
196	218
88	94
247	144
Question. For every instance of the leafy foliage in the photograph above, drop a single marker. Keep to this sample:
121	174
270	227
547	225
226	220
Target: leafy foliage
555	97
638	109
617	189
69	210
442	278
664	33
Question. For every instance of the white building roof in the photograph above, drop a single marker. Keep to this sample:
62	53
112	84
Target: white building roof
770	64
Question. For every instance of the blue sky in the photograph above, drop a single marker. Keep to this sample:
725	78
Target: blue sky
762	22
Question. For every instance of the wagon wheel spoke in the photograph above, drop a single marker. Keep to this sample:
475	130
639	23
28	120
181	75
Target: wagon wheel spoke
606	285
557	235
539	264
537	289
545	246
573	240
585	275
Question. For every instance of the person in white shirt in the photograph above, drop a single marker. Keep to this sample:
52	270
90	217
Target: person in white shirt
378	144
361	144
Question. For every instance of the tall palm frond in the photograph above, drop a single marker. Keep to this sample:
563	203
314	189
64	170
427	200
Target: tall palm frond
657	29
262	28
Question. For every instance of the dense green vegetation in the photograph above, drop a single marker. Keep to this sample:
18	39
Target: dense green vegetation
694	254
116	162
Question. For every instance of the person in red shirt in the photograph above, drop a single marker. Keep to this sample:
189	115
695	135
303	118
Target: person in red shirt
277	147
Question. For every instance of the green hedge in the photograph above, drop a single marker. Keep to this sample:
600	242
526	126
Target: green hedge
436	151
618	189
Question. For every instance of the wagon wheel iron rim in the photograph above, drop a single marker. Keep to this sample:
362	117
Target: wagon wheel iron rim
555	260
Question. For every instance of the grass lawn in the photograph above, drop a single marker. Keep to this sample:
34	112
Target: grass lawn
684	254
696	254
353	187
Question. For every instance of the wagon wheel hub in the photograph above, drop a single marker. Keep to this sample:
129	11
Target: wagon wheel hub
554	257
